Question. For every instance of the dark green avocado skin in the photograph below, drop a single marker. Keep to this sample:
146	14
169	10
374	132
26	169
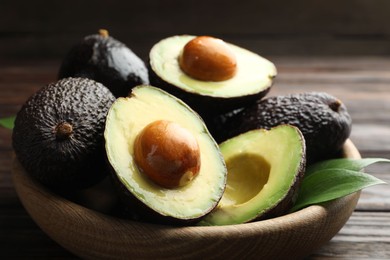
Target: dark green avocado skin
132	208
216	124
213	110
206	106
323	120
106	60
66	162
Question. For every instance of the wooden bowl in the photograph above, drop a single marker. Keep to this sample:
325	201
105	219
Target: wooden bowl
92	234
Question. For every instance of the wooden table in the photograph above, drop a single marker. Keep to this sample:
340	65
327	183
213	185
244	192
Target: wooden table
362	83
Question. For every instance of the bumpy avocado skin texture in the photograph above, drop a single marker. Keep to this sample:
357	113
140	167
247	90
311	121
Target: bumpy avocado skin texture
323	120
217	123
106	60
64	162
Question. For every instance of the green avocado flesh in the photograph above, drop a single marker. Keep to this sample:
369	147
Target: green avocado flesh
254	73
126	118
263	166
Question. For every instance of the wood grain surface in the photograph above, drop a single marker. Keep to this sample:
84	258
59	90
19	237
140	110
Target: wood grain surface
45	29
362	83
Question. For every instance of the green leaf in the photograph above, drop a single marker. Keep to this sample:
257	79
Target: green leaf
329	184
7	122
343	163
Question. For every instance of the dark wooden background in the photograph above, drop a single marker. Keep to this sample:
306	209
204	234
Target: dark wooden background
43	29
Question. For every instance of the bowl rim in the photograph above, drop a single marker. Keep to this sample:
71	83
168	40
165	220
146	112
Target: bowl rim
40	202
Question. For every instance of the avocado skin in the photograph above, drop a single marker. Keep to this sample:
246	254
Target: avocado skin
107	61
207	107
323	120
288	201
69	163
216	123
132	208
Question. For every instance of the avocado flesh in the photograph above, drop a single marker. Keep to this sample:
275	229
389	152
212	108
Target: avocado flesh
126	118
254	73
264	169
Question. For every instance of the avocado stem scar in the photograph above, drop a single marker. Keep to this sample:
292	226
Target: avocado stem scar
63	130
104	33
335	105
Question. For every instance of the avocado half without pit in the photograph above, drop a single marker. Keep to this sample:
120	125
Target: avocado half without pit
265	168
209	74
166	163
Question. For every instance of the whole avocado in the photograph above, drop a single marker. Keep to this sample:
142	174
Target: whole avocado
322	118
103	58
58	133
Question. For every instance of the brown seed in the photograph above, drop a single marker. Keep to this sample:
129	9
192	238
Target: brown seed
167	153
209	59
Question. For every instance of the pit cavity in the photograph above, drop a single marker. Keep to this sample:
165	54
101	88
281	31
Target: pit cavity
247	175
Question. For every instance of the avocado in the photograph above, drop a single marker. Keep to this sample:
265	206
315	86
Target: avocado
104	59
217	123
168	167
265	168
322	118
214	77
58	133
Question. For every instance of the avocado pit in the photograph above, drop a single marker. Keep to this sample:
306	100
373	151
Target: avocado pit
167	153
209	59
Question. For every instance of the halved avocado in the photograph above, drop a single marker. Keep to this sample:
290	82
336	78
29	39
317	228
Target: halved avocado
265	168
126	121
252	80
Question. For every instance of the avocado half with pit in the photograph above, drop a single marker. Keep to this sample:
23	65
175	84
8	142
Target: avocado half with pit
167	164
265	168
209	74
